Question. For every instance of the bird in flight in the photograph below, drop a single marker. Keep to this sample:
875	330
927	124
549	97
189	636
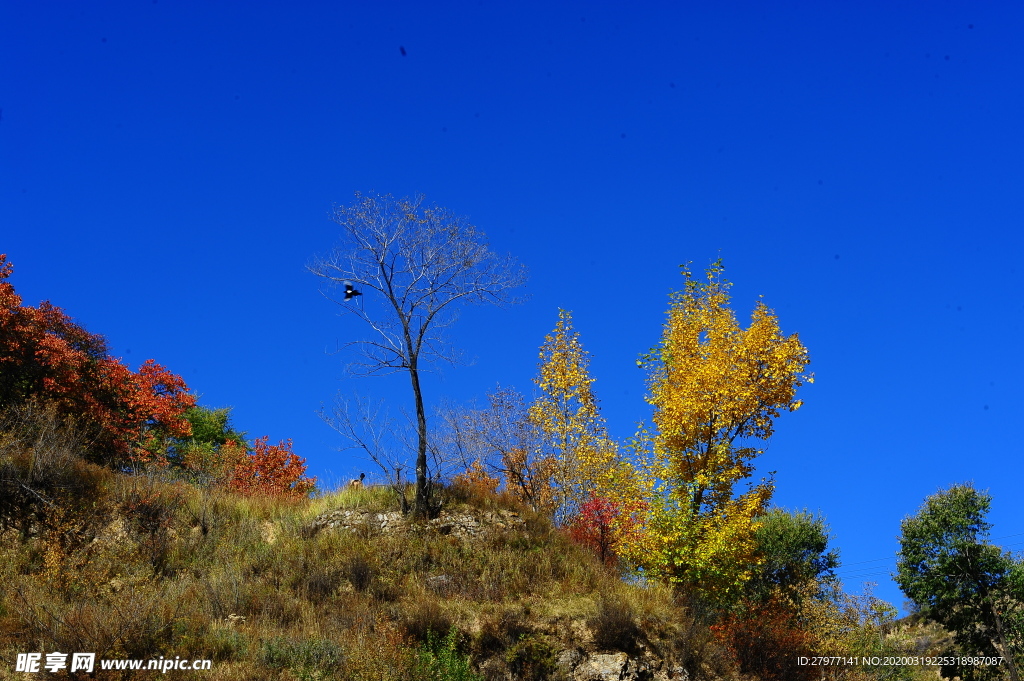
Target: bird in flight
350	292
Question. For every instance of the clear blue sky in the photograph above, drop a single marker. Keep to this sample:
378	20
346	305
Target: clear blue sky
167	169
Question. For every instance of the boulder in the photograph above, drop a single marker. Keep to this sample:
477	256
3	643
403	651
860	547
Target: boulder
603	667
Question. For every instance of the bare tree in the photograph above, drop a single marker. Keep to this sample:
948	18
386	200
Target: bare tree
506	442
421	263
369	426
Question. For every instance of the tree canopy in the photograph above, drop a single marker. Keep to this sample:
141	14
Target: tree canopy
947	567
716	389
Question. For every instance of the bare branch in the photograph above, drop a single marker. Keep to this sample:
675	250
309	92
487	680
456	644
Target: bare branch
412	265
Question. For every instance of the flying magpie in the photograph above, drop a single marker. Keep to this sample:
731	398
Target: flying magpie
350	292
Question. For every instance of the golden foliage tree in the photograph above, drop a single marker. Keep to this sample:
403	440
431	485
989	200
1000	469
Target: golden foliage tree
716	389
573	434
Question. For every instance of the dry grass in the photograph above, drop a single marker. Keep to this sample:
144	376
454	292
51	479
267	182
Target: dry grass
145	566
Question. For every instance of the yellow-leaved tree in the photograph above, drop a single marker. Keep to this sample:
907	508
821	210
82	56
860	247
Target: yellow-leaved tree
716	388
572	433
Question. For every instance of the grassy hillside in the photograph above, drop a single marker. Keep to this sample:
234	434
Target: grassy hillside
144	566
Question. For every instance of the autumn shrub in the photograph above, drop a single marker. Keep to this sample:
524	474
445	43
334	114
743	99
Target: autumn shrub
593	527
531	658
45	355
42	467
476	483
320	583
766	640
862	625
424	618
358	572
150	512
499	630
269	470
303	656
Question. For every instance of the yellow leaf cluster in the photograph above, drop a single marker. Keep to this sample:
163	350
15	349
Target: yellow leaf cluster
715	387
573	434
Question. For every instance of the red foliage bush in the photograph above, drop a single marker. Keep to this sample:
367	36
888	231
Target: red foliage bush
593	528
599	523
766	640
44	354
269	470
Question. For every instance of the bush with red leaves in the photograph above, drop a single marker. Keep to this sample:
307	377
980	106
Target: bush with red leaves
269	470
45	355
766	640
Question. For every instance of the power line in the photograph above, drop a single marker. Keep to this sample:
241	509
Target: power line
893	557
861	562
864	574
1019	534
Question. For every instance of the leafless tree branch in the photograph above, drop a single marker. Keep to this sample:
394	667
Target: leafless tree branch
411	267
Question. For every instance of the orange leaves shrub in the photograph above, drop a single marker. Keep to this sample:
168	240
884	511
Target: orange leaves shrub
766	640
44	354
530	478
477	481
144	409
269	470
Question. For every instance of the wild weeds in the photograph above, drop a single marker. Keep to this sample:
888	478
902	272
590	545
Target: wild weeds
145	565
440	660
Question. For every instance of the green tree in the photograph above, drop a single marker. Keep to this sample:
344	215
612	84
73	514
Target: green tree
202	452
415	265
949	570
793	550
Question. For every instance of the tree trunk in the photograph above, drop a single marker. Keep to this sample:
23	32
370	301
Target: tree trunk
988	603
1003	648
421	505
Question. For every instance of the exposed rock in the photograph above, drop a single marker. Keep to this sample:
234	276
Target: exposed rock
676	673
439	583
232	620
475	523
616	667
567	661
355	519
603	667
463	523
114	533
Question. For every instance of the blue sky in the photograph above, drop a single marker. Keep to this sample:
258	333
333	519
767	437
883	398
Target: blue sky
167	170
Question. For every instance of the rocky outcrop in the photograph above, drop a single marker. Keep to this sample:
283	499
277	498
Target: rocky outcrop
462	522
604	667
616	667
352	520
